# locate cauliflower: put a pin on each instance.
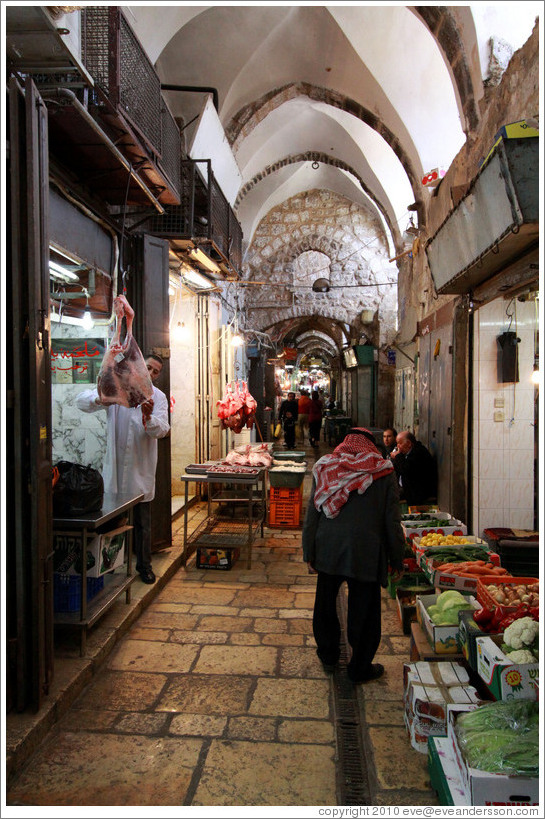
(521, 656)
(523, 633)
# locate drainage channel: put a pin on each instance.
(353, 784)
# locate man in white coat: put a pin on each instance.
(131, 456)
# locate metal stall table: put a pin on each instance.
(220, 530)
(115, 582)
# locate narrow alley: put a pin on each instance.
(215, 697)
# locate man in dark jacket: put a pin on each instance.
(415, 468)
(287, 415)
(352, 532)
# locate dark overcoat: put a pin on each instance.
(363, 540)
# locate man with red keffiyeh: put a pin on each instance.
(352, 532)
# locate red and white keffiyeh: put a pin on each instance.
(353, 465)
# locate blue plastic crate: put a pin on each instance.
(67, 591)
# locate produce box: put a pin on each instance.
(104, 552)
(468, 631)
(416, 578)
(506, 680)
(489, 789)
(223, 559)
(415, 517)
(421, 651)
(443, 639)
(426, 508)
(428, 688)
(406, 604)
(454, 527)
(445, 777)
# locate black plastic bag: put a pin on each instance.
(77, 489)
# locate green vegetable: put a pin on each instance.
(518, 715)
(503, 751)
(451, 598)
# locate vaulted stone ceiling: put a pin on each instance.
(333, 114)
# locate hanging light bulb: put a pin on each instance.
(180, 332)
(535, 372)
(87, 321)
(237, 340)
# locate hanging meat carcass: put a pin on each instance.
(123, 377)
(237, 408)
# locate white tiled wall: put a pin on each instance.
(503, 451)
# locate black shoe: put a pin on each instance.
(147, 576)
(376, 671)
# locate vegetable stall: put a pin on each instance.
(471, 688)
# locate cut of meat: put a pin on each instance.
(124, 378)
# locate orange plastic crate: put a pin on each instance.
(284, 514)
(485, 598)
(285, 494)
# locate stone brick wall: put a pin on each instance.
(351, 238)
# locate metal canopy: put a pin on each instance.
(493, 224)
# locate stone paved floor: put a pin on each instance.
(215, 697)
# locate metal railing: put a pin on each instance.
(123, 73)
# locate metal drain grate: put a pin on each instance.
(352, 772)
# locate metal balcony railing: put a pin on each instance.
(126, 79)
(204, 215)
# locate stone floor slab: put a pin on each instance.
(397, 764)
(237, 660)
(143, 655)
(201, 725)
(306, 731)
(120, 691)
(298, 775)
(76, 769)
(300, 662)
(260, 728)
(291, 698)
(215, 622)
(269, 598)
(211, 694)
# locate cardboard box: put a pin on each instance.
(104, 552)
(405, 608)
(420, 649)
(506, 680)
(489, 789)
(445, 777)
(428, 688)
(468, 631)
(443, 639)
(417, 578)
(223, 559)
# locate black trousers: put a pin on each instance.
(289, 434)
(142, 535)
(363, 627)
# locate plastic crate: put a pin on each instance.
(485, 598)
(284, 493)
(284, 514)
(67, 591)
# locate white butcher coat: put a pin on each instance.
(131, 450)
